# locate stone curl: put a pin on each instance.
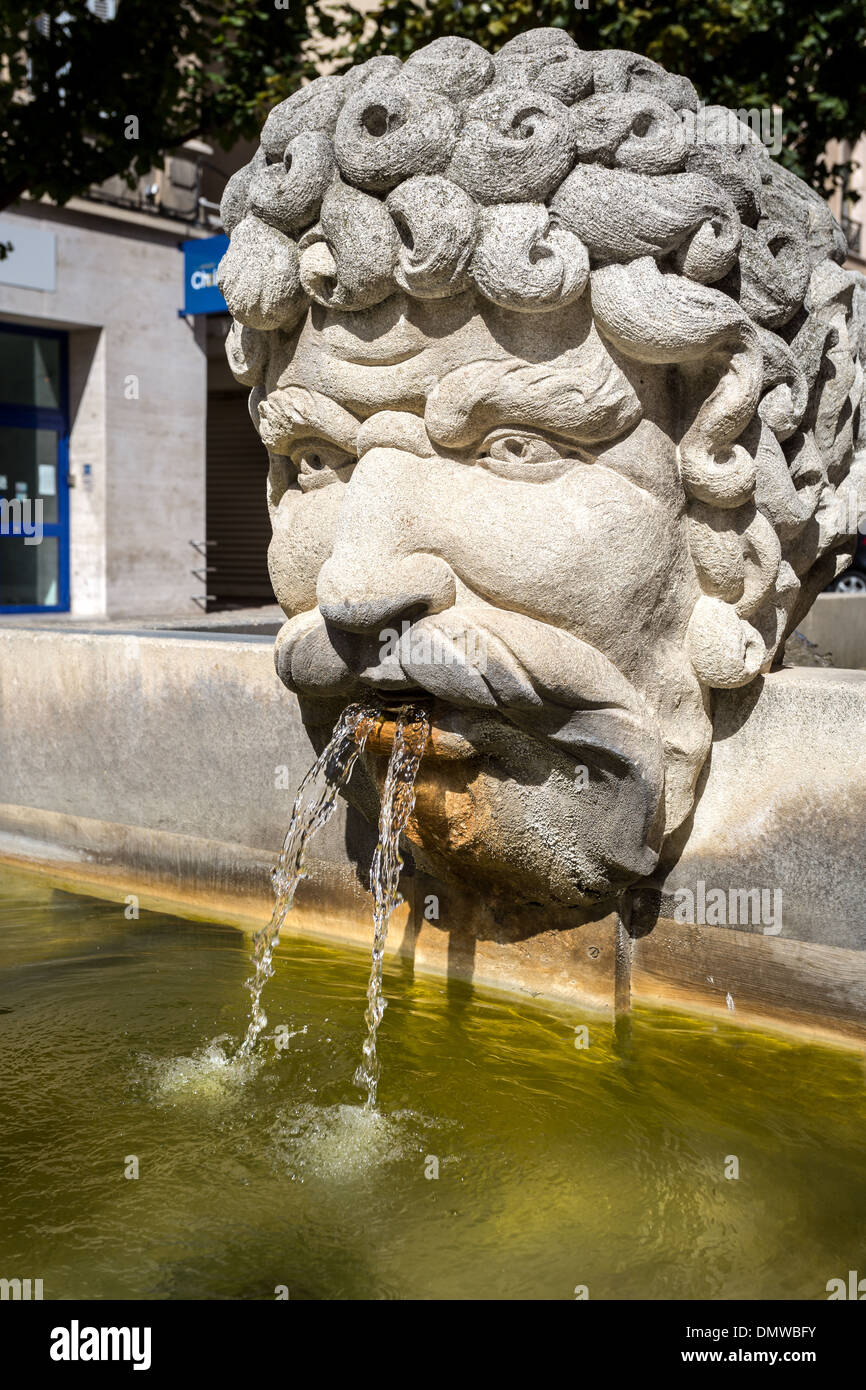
(436, 223)
(616, 148)
(522, 261)
(545, 172)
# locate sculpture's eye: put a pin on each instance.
(521, 454)
(521, 446)
(319, 463)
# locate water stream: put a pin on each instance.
(313, 808)
(314, 805)
(412, 730)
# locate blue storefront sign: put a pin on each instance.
(201, 259)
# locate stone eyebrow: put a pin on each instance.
(582, 397)
(290, 413)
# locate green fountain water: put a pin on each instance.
(558, 1166)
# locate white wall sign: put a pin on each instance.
(32, 262)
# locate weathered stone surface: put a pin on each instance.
(780, 811)
(256, 301)
(562, 388)
(165, 765)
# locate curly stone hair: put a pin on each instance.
(544, 173)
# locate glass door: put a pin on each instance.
(34, 496)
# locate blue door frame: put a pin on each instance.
(42, 418)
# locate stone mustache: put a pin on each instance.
(560, 379)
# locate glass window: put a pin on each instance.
(29, 370)
(28, 469)
(29, 572)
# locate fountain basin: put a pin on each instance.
(164, 765)
(521, 1150)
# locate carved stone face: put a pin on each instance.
(493, 549)
(504, 477)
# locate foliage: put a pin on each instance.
(210, 67)
(70, 80)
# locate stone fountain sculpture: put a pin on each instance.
(561, 382)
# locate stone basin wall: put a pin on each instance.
(164, 764)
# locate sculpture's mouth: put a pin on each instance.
(468, 666)
(446, 743)
(533, 732)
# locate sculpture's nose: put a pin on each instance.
(383, 567)
(366, 601)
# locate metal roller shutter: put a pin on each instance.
(238, 527)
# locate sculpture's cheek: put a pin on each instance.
(303, 537)
(626, 555)
(588, 551)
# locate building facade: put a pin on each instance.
(131, 479)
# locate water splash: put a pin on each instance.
(313, 808)
(208, 1076)
(412, 730)
(337, 1143)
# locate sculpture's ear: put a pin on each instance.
(724, 649)
(733, 630)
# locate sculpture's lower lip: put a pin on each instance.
(443, 745)
(445, 742)
(457, 734)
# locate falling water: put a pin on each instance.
(320, 787)
(398, 799)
